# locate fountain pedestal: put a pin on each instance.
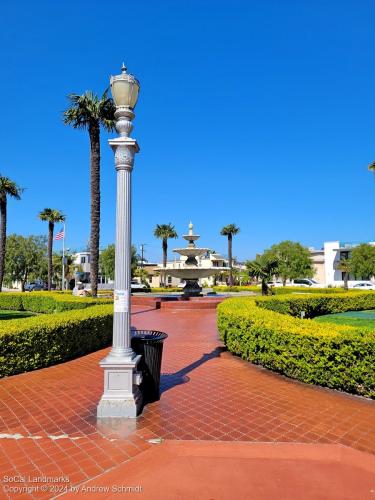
(192, 289)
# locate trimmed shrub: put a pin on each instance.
(11, 301)
(46, 302)
(266, 331)
(318, 305)
(225, 288)
(165, 290)
(44, 340)
(278, 290)
(283, 290)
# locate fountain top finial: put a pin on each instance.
(191, 228)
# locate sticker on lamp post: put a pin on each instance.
(121, 301)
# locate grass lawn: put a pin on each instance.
(361, 319)
(15, 314)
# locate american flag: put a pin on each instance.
(60, 235)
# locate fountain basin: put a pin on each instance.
(191, 252)
(193, 273)
(191, 237)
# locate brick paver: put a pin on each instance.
(48, 425)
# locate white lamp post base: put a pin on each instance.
(121, 397)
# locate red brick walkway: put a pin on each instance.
(48, 425)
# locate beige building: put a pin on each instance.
(317, 257)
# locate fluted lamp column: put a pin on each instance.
(121, 396)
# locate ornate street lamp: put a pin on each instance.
(121, 396)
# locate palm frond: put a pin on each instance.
(51, 215)
(165, 231)
(230, 229)
(87, 109)
(10, 188)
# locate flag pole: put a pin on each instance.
(63, 261)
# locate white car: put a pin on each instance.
(139, 287)
(307, 282)
(274, 283)
(365, 285)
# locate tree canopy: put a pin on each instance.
(107, 261)
(363, 261)
(25, 258)
(294, 260)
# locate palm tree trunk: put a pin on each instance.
(165, 255)
(230, 259)
(3, 236)
(94, 132)
(50, 242)
(264, 287)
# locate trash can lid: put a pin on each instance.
(148, 335)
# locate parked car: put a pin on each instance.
(307, 282)
(35, 286)
(139, 287)
(364, 285)
(274, 283)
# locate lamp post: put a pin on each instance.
(121, 396)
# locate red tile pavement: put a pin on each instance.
(208, 394)
(214, 470)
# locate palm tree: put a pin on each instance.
(88, 111)
(7, 188)
(264, 267)
(52, 216)
(345, 265)
(230, 230)
(165, 231)
(371, 167)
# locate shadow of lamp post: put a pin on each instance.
(121, 396)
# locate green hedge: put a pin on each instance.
(225, 288)
(318, 305)
(264, 331)
(46, 302)
(44, 340)
(278, 290)
(165, 290)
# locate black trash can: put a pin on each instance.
(149, 343)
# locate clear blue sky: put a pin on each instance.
(257, 113)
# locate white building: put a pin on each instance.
(82, 259)
(334, 251)
(326, 262)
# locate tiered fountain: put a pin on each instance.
(189, 270)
